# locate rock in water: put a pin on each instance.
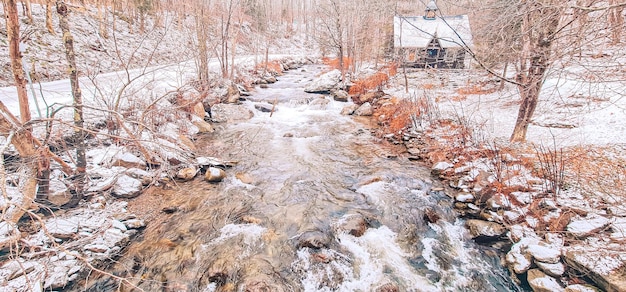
(325, 83)
(214, 174)
(349, 109)
(313, 239)
(265, 107)
(480, 229)
(340, 95)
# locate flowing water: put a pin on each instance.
(314, 204)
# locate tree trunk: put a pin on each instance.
(49, 17)
(28, 10)
(24, 143)
(616, 21)
(13, 35)
(203, 51)
(102, 28)
(79, 133)
(538, 49)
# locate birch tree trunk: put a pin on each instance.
(13, 35)
(79, 133)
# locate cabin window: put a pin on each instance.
(432, 53)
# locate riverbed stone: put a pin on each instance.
(97, 248)
(313, 239)
(134, 223)
(128, 160)
(62, 228)
(340, 95)
(223, 113)
(354, 224)
(464, 197)
(203, 127)
(389, 287)
(319, 104)
(187, 173)
(214, 174)
(265, 107)
(349, 109)
(588, 226)
(365, 109)
(541, 282)
(544, 254)
(554, 270)
(581, 288)
(606, 269)
(127, 187)
(480, 229)
(59, 193)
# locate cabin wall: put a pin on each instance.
(447, 58)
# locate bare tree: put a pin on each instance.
(13, 34)
(79, 133)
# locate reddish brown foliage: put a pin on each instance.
(334, 62)
(272, 67)
(375, 81)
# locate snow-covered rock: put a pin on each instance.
(588, 226)
(498, 201)
(464, 197)
(441, 166)
(214, 174)
(324, 83)
(8, 234)
(618, 229)
(97, 248)
(541, 282)
(187, 173)
(62, 228)
(223, 113)
(606, 268)
(518, 258)
(128, 160)
(544, 254)
(554, 270)
(134, 223)
(127, 187)
(580, 288)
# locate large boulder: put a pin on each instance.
(324, 83)
(605, 268)
(223, 113)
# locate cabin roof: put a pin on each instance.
(417, 32)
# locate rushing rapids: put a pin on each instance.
(314, 204)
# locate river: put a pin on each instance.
(314, 203)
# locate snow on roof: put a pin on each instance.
(417, 32)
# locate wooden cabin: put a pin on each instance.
(433, 41)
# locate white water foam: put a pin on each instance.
(374, 259)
